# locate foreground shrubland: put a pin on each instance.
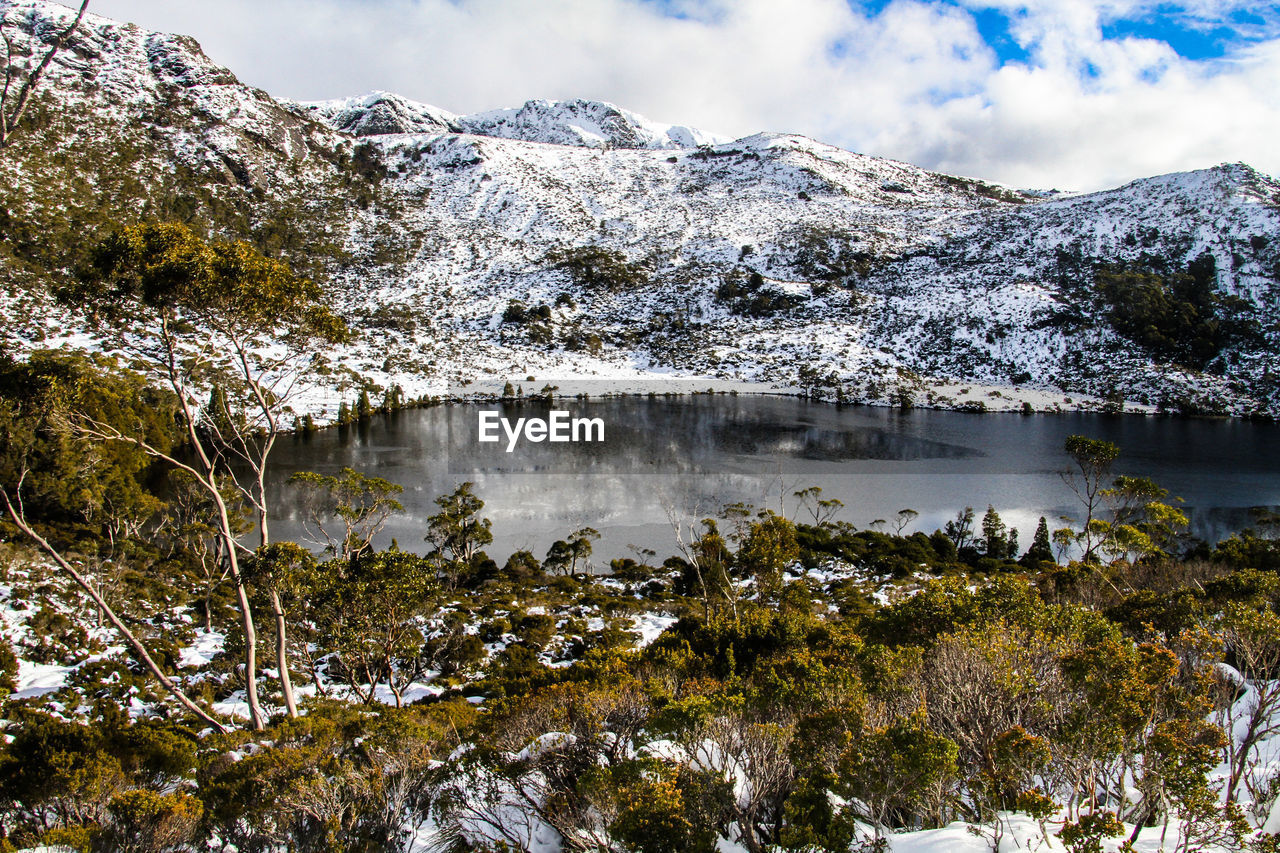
(776, 685)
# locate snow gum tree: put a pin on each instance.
(212, 315)
(1092, 460)
(769, 547)
(348, 509)
(565, 555)
(377, 603)
(706, 560)
(458, 532)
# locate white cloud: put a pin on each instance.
(915, 82)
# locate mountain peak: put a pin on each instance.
(379, 113)
(775, 250)
(576, 122)
(585, 123)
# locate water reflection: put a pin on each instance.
(688, 456)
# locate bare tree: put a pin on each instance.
(1248, 696)
(708, 556)
(730, 741)
(988, 687)
(13, 104)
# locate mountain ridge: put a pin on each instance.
(578, 122)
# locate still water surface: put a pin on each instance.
(690, 455)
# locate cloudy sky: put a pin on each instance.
(1071, 94)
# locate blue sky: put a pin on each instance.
(1188, 33)
(994, 27)
(1193, 32)
(1076, 94)
(1198, 38)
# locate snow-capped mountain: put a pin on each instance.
(587, 123)
(590, 124)
(379, 113)
(656, 249)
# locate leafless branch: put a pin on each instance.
(9, 122)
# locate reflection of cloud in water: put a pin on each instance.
(701, 434)
(692, 455)
(625, 497)
(1213, 522)
(837, 445)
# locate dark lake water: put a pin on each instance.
(687, 456)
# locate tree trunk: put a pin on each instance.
(282, 656)
(250, 654)
(256, 717)
(282, 630)
(207, 476)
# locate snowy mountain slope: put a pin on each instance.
(1013, 284)
(136, 76)
(742, 260)
(587, 123)
(893, 268)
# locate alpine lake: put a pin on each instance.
(684, 457)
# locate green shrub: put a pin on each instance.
(598, 268)
(1178, 316)
(536, 629)
(147, 822)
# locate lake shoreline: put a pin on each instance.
(1000, 400)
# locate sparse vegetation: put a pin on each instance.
(752, 297)
(601, 269)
